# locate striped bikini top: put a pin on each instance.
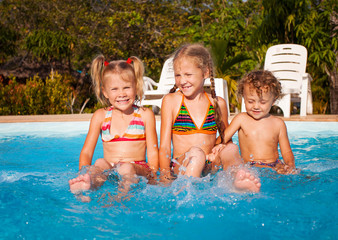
(184, 124)
(134, 132)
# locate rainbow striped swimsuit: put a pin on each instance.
(184, 124)
(134, 132)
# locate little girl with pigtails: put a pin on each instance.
(128, 132)
(190, 119)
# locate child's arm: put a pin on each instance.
(229, 133)
(89, 145)
(285, 147)
(233, 127)
(151, 139)
(165, 136)
(229, 130)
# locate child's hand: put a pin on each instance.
(152, 178)
(165, 177)
(214, 152)
(285, 169)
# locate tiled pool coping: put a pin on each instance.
(87, 117)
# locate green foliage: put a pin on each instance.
(318, 33)
(57, 92)
(313, 25)
(8, 38)
(11, 100)
(46, 44)
(36, 96)
(71, 33)
(320, 94)
(280, 19)
(224, 65)
(227, 28)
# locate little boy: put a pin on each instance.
(259, 133)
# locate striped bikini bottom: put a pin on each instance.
(273, 164)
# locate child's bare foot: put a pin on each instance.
(80, 184)
(245, 182)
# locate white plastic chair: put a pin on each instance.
(167, 81)
(288, 64)
(221, 88)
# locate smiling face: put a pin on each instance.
(120, 92)
(189, 78)
(257, 106)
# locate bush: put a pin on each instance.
(11, 100)
(36, 96)
(57, 91)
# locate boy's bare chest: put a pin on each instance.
(259, 132)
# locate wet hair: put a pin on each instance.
(132, 69)
(260, 80)
(203, 60)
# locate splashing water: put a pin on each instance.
(35, 168)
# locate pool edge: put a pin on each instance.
(87, 117)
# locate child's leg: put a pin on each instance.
(127, 172)
(93, 179)
(193, 162)
(243, 179)
(230, 157)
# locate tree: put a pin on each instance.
(39, 36)
(312, 24)
(227, 28)
(318, 33)
(280, 19)
(66, 35)
(224, 65)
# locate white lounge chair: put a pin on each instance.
(288, 63)
(221, 88)
(167, 81)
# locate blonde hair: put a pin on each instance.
(203, 60)
(133, 70)
(260, 79)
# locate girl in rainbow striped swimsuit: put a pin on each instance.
(128, 132)
(190, 119)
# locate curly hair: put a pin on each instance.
(260, 79)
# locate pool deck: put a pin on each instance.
(87, 117)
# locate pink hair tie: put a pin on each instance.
(106, 63)
(129, 60)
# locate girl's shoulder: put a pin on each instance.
(172, 99)
(144, 110)
(220, 100)
(145, 113)
(100, 112)
(173, 96)
(98, 116)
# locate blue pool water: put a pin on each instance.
(38, 159)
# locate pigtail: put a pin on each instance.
(96, 70)
(139, 71)
(218, 114)
(174, 88)
(203, 60)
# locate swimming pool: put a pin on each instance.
(38, 159)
